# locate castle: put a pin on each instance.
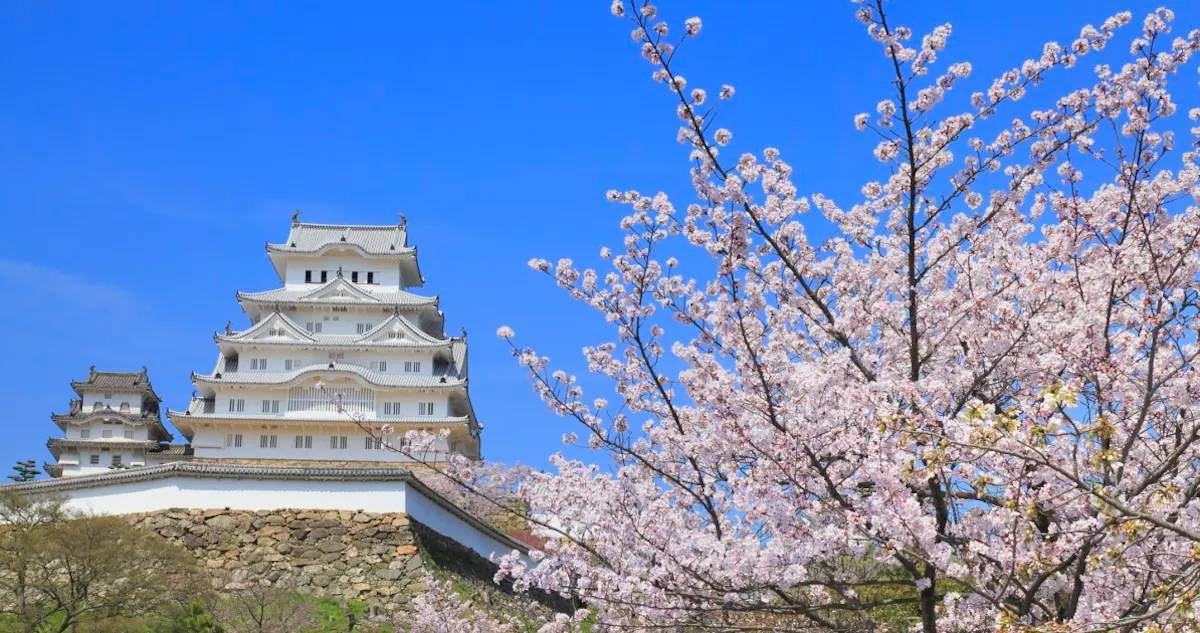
(304, 408)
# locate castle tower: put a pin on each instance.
(115, 423)
(343, 327)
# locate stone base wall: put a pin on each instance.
(376, 558)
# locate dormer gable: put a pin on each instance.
(341, 290)
(397, 329)
(276, 327)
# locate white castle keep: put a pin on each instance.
(303, 407)
(343, 332)
(339, 354)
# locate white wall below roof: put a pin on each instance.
(177, 491)
(387, 270)
(113, 401)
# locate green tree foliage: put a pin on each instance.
(25, 470)
(192, 618)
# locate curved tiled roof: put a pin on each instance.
(413, 336)
(56, 444)
(78, 415)
(450, 377)
(138, 381)
(370, 239)
(400, 298)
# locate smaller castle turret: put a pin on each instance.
(114, 423)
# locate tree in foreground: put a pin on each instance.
(63, 572)
(972, 407)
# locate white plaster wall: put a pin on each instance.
(238, 494)
(248, 494)
(79, 463)
(253, 397)
(97, 428)
(210, 442)
(442, 521)
(275, 357)
(387, 273)
(114, 400)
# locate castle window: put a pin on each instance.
(85, 433)
(268, 441)
(106, 433)
(237, 405)
(370, 277)
(363, 328)
(270, 406)
(116, 460)
(324, 276)
(303, 441)
(379, 365)
(108, 396)
(354, 276)
(129, 434)
(94, 459)
(233, 440)
(308, 276)
(412, 366)
(337, 441)
(373, 443)
(313, 326)
(124, 406)
(425, 408)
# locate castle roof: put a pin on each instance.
(135, 381)
(372, 241)
(57, 444)
(337, 291)
(311, 238)
(279, 329)
(445, 375)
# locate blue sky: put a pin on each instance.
(148, 150)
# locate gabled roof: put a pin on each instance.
(375, 241)
(136, 381)
(388, 239)
(445, 375)
(276, 328)
(406, 331)
(154, 422)
(409, 335)
(338, 291)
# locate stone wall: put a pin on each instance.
(380, 559)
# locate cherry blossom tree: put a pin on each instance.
(972, 407)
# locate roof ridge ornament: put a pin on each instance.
(296, 217)
(340, 275)
(403, 220)
(229, 327)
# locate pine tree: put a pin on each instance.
(26, 470)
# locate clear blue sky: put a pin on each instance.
(148, 150)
